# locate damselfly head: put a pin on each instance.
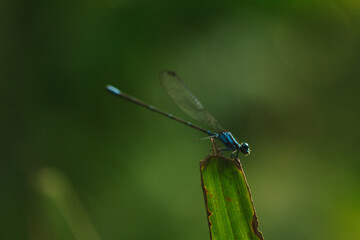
(244, 148)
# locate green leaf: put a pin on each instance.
(64, 210)
(230, 209)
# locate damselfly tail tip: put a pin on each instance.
(113, 89)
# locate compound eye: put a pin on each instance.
(245, 148)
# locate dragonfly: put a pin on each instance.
(189, 104)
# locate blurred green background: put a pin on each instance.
(281, 75)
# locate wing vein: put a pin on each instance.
(186, 101)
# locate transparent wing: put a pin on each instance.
(187, 102)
